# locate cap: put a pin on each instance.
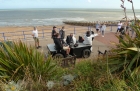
(54, 26)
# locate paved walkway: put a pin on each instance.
(108, 39)
(99, 43)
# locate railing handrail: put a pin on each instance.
(41, 32)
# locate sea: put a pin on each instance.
(43, 17)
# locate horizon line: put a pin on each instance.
(61, 8)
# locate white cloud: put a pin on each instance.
(89, 1)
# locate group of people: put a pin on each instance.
(58, 39)
(100, 28)
(61, 44)
(124, 28)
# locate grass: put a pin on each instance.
(88, 76)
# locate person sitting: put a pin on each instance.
(91, 32)
(74, 39)
(88, 38)
(70, 39)
(59, 45)
(80, 39)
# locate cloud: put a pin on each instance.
(89, 1)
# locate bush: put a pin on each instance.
(127, 58)
(21, 62)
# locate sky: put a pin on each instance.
(17, 4)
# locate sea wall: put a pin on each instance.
(86, 23)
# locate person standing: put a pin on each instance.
(132, 30)
(62, 33)
(128, 27)
(119, 27)
(97, 27)
(53, 33)
(35, 37)
(88, 38)
(103, 27)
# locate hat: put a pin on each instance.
(54, 26)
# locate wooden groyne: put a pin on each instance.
(86, 23)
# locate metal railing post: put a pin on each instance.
(3, 36)
(43, 33)
(74, 30)
(23, 34)
(111, 27)
(88, 28)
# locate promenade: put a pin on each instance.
(99, 42)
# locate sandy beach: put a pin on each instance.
(99, 42)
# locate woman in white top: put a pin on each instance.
(119, 26)
(88, 38)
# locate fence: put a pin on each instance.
(43, 33)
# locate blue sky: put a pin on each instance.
(6, 4)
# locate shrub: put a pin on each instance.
(18, 61)
(128, 54)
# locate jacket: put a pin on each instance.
(58, 43)
(53, 32)
(69, 39)
(62, 34)
(88, 40)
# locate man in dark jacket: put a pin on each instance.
(53, 32)
(59, 45)
(69, 39)
(62, 33)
